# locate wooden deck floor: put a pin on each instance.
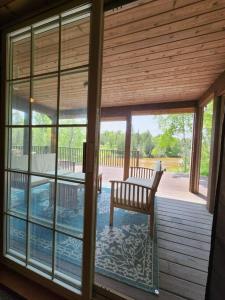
(184, 229)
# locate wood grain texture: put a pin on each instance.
(217, 122)
(216, 278)
(196, 151)
(154, 52)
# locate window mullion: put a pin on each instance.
(34, 235)
(29, 142)
(56, 157)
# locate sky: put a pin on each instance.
(139, 123)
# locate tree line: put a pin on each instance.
(174, 140)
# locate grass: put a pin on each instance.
(172, 164)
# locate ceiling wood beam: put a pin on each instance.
(21, 104)
(216, 89)
(112, 4)
(153, 108)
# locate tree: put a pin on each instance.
(113, 140)
(179, 125)
(166, 145)
(142, 142)
(206, 139)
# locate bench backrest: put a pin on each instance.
(140, 172)
(155, 180)
(145, 173)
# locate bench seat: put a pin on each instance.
(136, 193)
(140, 181)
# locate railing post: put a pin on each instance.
(196, 150)
(53, 136)
(26, 135)
(138, 158)
(127, 146)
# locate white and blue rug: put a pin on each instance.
(124, 252)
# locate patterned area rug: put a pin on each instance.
(124, 252)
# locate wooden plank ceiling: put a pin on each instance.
(164, 50)
(154, 51)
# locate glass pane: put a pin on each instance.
(46, 47)
(70, 207)
(40, 246)
(68, 258)
(17, 192)
(19, 99)
(44, 100)
(73, 97)
(19, 143)
(75, 41)
(70, 151)
(20, 50)
(47, 94)
(43, 150)
(42, 199)
(16, 236)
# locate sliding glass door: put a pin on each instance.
(53, 100)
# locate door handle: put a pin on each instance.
(84, 168)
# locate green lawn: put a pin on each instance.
(172, 164)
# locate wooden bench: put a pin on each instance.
(137, 193)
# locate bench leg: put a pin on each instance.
(100, 183)
(151, 225)
(111, 215)
(99, 187)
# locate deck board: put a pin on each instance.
(182, 287)
(202, 220)
(185, 241)
(188, 228)
(181, 233)
(182, 221)
(183, 249)
(184, 230)
(183, 259)
(183, 272)
(182, 212)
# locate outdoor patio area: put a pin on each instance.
(184, 236)
(175, 185)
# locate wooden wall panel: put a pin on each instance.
(216, 278)
(24, 287)
(2, 142)
(218, 113)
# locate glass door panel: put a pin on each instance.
(50, 117)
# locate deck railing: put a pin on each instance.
(67, 155)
